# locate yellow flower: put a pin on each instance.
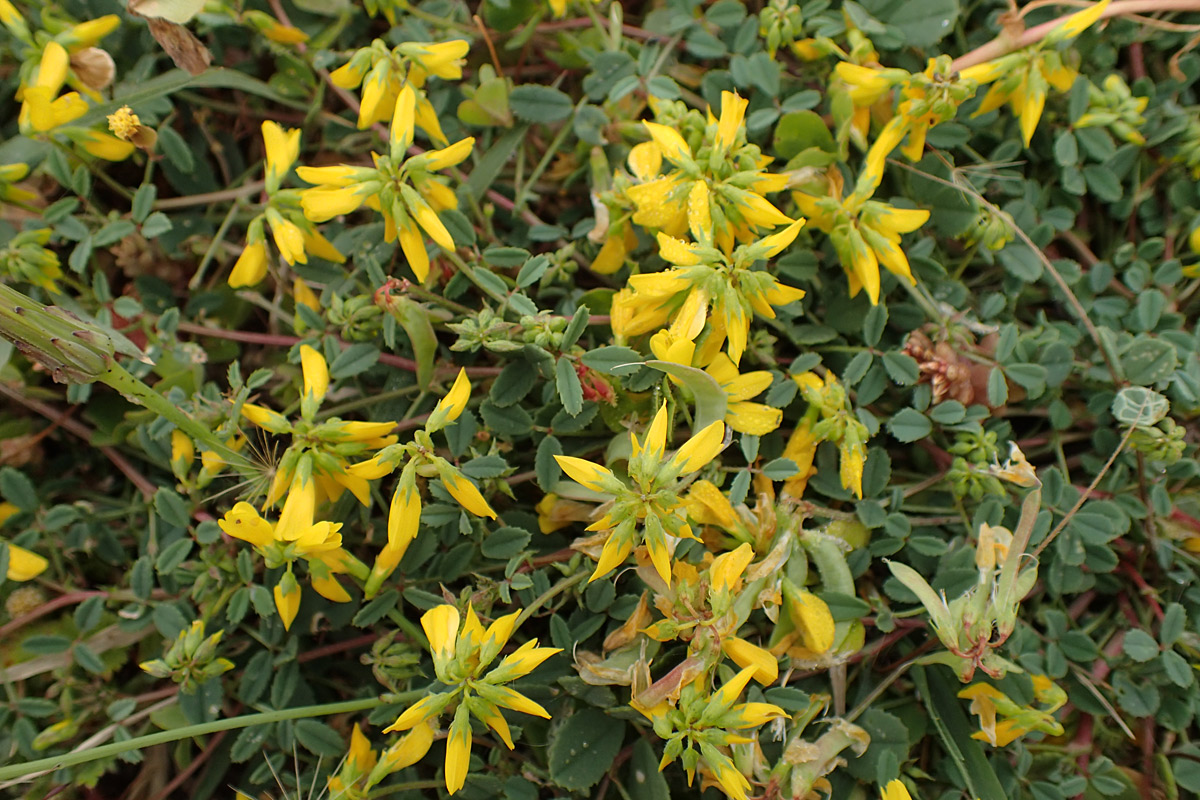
(287, 599)
(865, 234)
(183, 453)
(24, 565)
(282, 150)
(754, 419)
(315, 371)
(716, 191)
(649, 511)
(251, 266)
(99, 144)
(1021, 79)
(462, 651)
(296, 536)
(703, 278)
(289, 238)
(895, 790)
(445, 59)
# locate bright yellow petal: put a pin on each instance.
(316, 372)
(745, 654)
(466, 494)
(441, 628)
(24, 565)
(733, 111)
(700, 449)
(673, 146)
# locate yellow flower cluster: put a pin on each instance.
(647, 510)
(66, 59)
(462, 651)
(294, 235)
(420, 459)
(407, 191)
(716, 192)
(829, 418)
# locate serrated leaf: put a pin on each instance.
(353, 360)
(902, 368)
(1139, 645)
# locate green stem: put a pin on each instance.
(17, 771)
(555, 143)
(469, 271)
(211, 252)
(137, 391)
(549, 595)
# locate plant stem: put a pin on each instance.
(549, 595)
(136, 390)
(203, 729)
(1004, 44)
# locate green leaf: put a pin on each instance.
(172, 555)
(512, 384)
(607, 359)
(488, 167)
(87, 658)
(249, 743)
(1136, 405)
(171, 507)
(645, 781)
(318, 738)
(534, 103)
(948, 412)
(415, 321)
(920, 24)
(909, 425)
(889, 736)
(1147, 360)
(16, 488)
(532, 271)
(1031, 377)
(1178, 669)
(711, 400)
(1139, 645)
(1173, 623)
(954, 729)
(584, 749)
(504, 543)
(1066, 149)
(902, 368)
(505, 257)
(1021, 261)
(353, 360)
(570, 390)
(873, 324)
(800, 130)
(545, 467)
(780, 469)
(576, 327)
(997, 388)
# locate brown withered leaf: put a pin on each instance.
(181, 45)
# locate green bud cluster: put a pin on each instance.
(191, 659)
